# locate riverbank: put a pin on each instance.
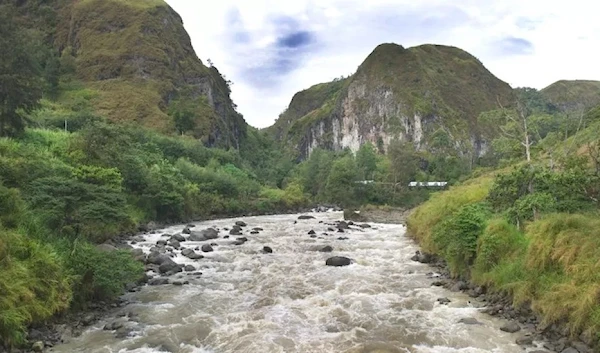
(523, 319)
(541, 275)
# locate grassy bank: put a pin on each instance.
(495, 232)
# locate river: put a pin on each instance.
(289, 301)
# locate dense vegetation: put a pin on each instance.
(529, 229)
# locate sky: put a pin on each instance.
(271, 49)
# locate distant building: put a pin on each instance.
(428, 184)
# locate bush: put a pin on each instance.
(442, 205)
(499, 241)
(456, 236)
(100, 275)
(33, 285)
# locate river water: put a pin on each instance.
(289, 301)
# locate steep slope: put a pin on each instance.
(573, 94)
(397, 92)
(137, 60)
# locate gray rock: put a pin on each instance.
(191, 254)
(581, 347)
(338, 261)
(524, 341)
(177, 283)
(267, 250)
(258, 229)
(189, 268)
(511, 327)
(169, 266)
(174, 243)
(364, 225)
(156, 258)
(161, 243)
(443, 300)
(180, 238)
(158, 281)
(311, 232)
(570, 350)
(469, 321)
(207, 248)
(235, 232)
(458, 286)
(326, 248)
(203, 235)
(38, 346)
(186, 230)
(342, 225)
(305, 217)
(240, 224)
(313, 236)
(254, 232)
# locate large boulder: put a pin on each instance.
(511, 327)
(204, 235)
(179, 237)
(169, 266)
(207, 248)
(191, 254)
(338, 261)
(156, 258)
(342, 225)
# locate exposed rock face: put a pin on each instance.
(137, 61)
(409, 94)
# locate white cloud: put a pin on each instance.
(256, 43)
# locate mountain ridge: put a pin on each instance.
(397, 92)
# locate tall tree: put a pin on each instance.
(20, 75)
(366, 161)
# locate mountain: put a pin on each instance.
(396, 93)
(136, 62)
(573, 94)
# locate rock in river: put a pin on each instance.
(203, 235)
(207, 248)
(305, 217)
(338, 261)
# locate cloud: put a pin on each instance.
(514, 46)
(264, 66)
(295, 40)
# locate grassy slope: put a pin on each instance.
(137, 56)
(570, 93)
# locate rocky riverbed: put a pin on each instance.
(293, 283)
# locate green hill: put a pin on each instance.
(396, 93)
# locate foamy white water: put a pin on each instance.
(289, 301)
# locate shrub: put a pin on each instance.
(100, 275)
(33, 285)
(456, 236)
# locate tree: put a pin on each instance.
(366, 161)
(341, 181)
(404, 162)
(20, 78)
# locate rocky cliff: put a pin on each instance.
(137, 62)
(407, 93)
